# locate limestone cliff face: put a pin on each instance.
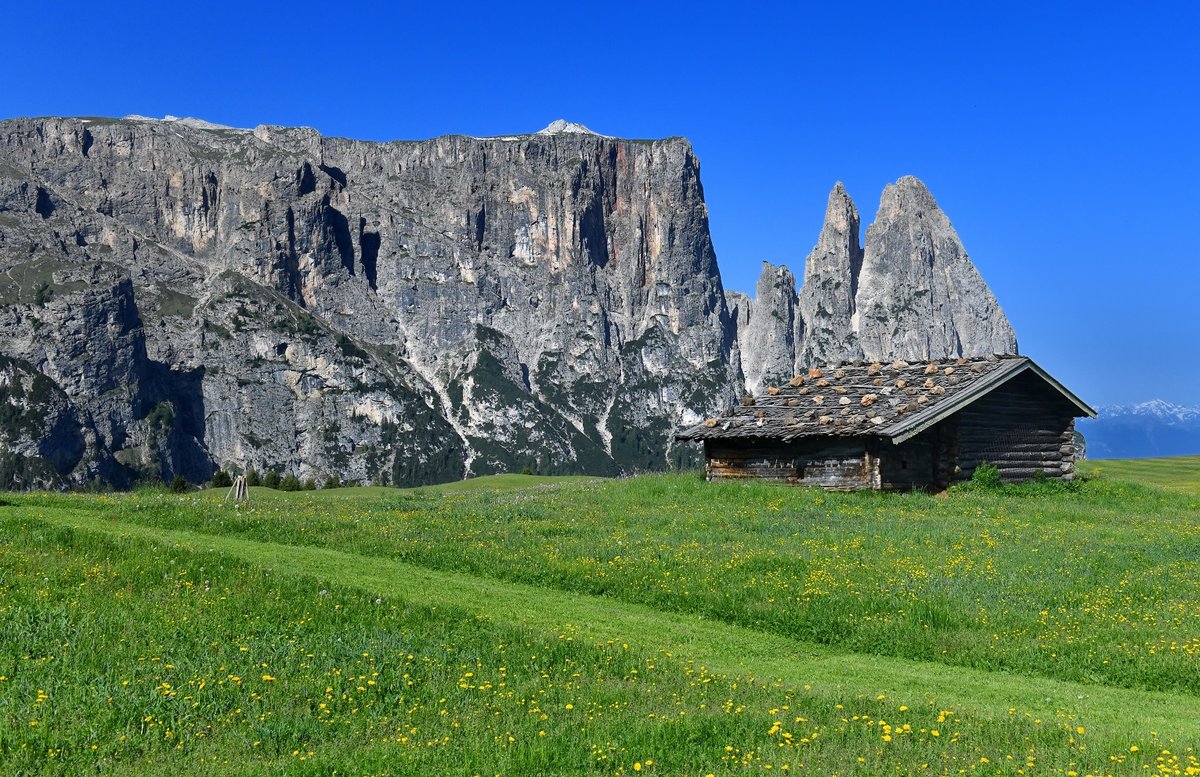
(919, 296)
(177, 296)
(827, 299)
(768, 328)
(911, 293)
(40, 433)
(391, 312)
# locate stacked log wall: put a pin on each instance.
(1021, 428)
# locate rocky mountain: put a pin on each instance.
(393, 312)
(911, 293)
(177, 296)
(1149, 429)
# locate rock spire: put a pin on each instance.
(911, 293)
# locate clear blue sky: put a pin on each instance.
(1063, 141)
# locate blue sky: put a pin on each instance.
(1061, 139)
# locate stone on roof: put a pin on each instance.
(856, 399)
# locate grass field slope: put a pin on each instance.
(1178, 473)
(660, 625)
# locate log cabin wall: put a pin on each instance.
(832, 463)
(1023, 427)
(836, 428)
(925, 461)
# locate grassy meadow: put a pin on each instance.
(1177, 473)
(659, 625)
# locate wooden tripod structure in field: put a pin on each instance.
(238, 490)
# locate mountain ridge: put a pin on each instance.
(1159, 408)
(910, 291)
(399, 312)
(1149, 429)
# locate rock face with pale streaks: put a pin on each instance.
(766, 327)
(177, 296)
(827, 299)
(919, 296)
(399, 312)
(912, 293)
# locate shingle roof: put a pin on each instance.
(895, 400)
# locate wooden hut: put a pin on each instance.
(899, 426)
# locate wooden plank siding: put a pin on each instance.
(924, 462)
(838, 464)
(1018, 419)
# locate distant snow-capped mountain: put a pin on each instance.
(1157, 408)
(1147, 429)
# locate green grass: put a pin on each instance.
(174, 303)
(19, 284)
(383, 494)
(1005, 620)
(237, 666)
(991, 581)
(499, 483)
(1178, 473)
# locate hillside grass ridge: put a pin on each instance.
(1174, 473)
(990, 579)
(367, 609)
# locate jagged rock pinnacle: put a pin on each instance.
(766, 328)
(826, 300)
(919, 295)
(911, 292)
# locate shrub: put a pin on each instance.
(289, 483)
(527, 470)
(332, 481)
(350, 350)
(161, 417)
(42, 294)
(309, 484)
(986, 476)
(179, 485)
(221, 479)
(252, 477)
(272, 479)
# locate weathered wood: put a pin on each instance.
(1017, 474)
(1023, 427)
(978, 432)
(1018, 447)
(238, 491)
(838, 465)
(1005, 458)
